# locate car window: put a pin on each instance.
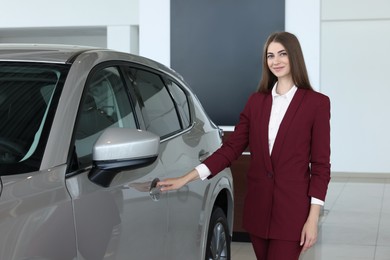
(28, 96)
(181, 100)
(158, 109)
(105, 103)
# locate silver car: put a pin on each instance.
(85, 135)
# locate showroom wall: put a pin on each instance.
(344, 44)
(347, 42)
(115, 24)
(217, 46)
(355, 74)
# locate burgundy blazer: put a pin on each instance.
(280, 185)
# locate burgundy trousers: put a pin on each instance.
(271, 249)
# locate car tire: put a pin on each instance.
(218, 238)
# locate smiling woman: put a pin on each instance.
(286, 126)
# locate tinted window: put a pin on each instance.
(158, 109)
(181, 101)
(29, 95)
(105, 104)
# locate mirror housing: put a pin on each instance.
(119, 149)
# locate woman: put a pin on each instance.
(286, 125)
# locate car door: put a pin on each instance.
(182, 154)
(36, 220)
(165, 109)
(123, 220)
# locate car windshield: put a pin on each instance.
(29, 93)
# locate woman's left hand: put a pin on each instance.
(309, 234)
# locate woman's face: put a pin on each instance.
(278, 61)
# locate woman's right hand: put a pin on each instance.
(178, 182)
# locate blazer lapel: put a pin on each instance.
(264, 121)
(285, 124)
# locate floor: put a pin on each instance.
(355, 224)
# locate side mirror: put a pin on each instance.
(119, 149)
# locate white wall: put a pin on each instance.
(303, 19)
(345, 46)
(155, 33)
(88, 36)
(46, 13)
(139, 27)
(355, 74)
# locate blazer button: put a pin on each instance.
(270, 175)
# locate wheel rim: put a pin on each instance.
(218, 244)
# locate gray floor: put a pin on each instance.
(355, 224)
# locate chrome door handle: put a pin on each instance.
(155, 191)
(203, 155)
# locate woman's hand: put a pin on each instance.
(177, 183)
(309, 235)
(172, 183)
(310, 229)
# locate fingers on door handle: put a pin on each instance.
(155, 191)
(203, 155)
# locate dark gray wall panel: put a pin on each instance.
(217, 46)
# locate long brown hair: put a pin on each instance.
(297, 63)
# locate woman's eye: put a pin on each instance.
(270, 56)
(283, 54)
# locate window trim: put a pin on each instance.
(163, 76)
(72, 156)
(167, 80)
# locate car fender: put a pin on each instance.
(216, 187)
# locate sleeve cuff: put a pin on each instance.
(203, 171)
(317, 201)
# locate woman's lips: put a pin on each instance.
(278, 68)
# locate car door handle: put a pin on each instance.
(155, 191)
(203, 155)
